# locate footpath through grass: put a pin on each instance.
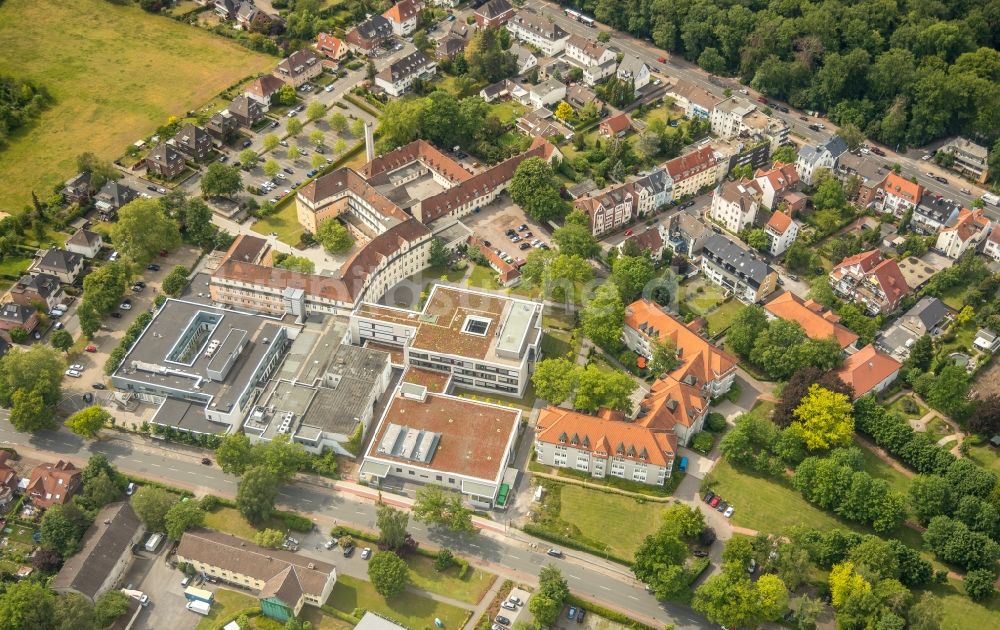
(470, 588)
(409, 609)
(115, 73)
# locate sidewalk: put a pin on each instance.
(484, 604)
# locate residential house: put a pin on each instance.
(526, 60)
(264, 89)
(403, 17)
(109, 200)
(77, 188)
(105, 553)
(226, 9)
(971, 159)
(818, 322)
(53, 484)
(868, 371)
(652, 191)
(781, 231)
(672, 406)
(898, 195)
(687, 234)
(398, 78)
(824, 155)
(63, 264)
(603, 447)
(547, 93)
(15, 316)
(331, 47)
(299, 67)
(703, 366)
(734, 205)
(246, 15)
(693, 171)
(39, 288)
(165, 160)
(494, 13)
(554, 69)
(774, 183)
(503, 90)
(194, 142)
(869, 173)
(870, 281)
(693, 100)
(507, 273)
(933, 214)
(740, 153)
(986, 340)
(633, 69)
(727, 117)
(609, 209)
(615, 126)
(283, 581)
(369, 34)
(969, 230)
(542, 123)
(597, 61)
(992, 245)
(726, 263)
(929, 316)
(247, 112)
(578, 95)
(534, 29)
(8, 479)
(222, 125)
(450, 46)
(648, 240)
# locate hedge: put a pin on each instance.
(339, 614)
(131, 335)
(294, 521)
(572, 543)
(249, 612)
(142, 481)
(607, 613)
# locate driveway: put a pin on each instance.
(501, 215)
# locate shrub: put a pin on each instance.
(716, 422)
(295, 522)
(703, 442)
(210, 503)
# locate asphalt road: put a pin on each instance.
(326, 506)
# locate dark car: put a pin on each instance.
(942, 180)
(878, 151)
(99, 386)
(510, 232)
(709, 496)
(88, 398)
(783, 109)
(153, 188)
(814, 127)
(116, 314)
(525, 246)
(487, 243)
(698, 553)
(503, 621)
(555, 553)
(246, 144)
(580, 614)
(152, 267)
(288, 170)
(206, 461)
(522, 228)
(349, 551)
(722, 506)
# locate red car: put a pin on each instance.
(164, 253)
(91, 348)
(628, 232)
(761, 99)
(715, 500)
(662, 59)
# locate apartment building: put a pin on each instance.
(726, 263)
(633, 69)
(870, 281)
(694, 101)
(399, 77)
(971, 159)
(812, 158)
(403, 17)
(969, 229)
(534, 29)
(693, 171)
(775, 182)
(898, 195)
(869, 174)
(818, 322)
(781, 231)
(299, 68)
(735, 204)
(494, 13)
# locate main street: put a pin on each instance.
(513, 556)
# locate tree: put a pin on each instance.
(439, 254)
(247, 157)
(731, 599)
(269, 538)
(436, 506)
(979, 584)
(281, 457)
(286, 95)
(151, 505)
(949, 391)
(825, 419)
(315, 110)
(921, 354)
(317, 160)
(925, 613)
(271, 168)
(293, 152)
(930, 496)
(29, 413)
(271, 142)
(748, 325)
(575, 238)
(444, 560)
(61, 340)
(851, 135)
(686, 521)
(256, 493)
(659, 562)
(73, 611)
(101, 171)
(143, 229)
(785, 154)
(391, 525)
(631, 274)
(294, 127)
(110, 606)
(333, 236)
(358, 128)
(196, 223)
(596, 389)
(547, 602)
(90, 319)
(602, 317)
(535, 188)
(62, 527)
(338, 122)
(88, 422)
(845, 583)
(46, 560)
(664, 357)
(296, 263)
(27, 605)
(829, 195)
(985, 417)
(756, 239)
(564, 111)
(235, 453)
(175, 281)
(103, 288)
(181, 517)
(389, 574)
(554, 379)
(222, 180)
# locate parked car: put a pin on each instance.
(571, 613)
(206, 461)
(522, 228)
(878, 151)
(116, 314)
(366, 553)
(752, 566)
(508, 605)
(729, 511)
(348, 551)
(90, 348)
(503, 621)
(524, 246)
(709, 496)
(130, 488)
(555, 553)
(77, 367)
(715, 500)
(662, 59)
(515, 600)
(943, 180)
(152, 267)
(628, 232)
(126, 305)
(722, 506)
(580, 614)
(99, 386)
(246, 144)
(698, 553)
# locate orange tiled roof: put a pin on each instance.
(690, 164)
(617, 124)
(891, 279)
(401, 11)
(866, 368)
(418, 150)
(969, 223)
(669, 403)
(816, 323)
(606, 438)
(866, 261)
(329, 44)
(781, 176)
(901, 187)
(53, 484)
(701, 361)
(779, 222)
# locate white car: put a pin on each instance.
(366, 553)
(729, 511)
(73, 373)
(125, 306)
(328, 88)
(76, 366)
(926, 157)
(280, 176)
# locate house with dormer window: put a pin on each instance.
(870, 281)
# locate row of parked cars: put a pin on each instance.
(500, 622)
(716, 501)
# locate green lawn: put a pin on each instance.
(556, 343)
(284, 222)
(408, 609)
(226, 603)
(469, 589)
(13, 266)
(875, 467)
(482, 277)
(961, 613)
(321, 621)
(954, 297)
(110, 86)
(508, 111)
(986, 456)
(701, 296)
(230, 521)
(618, 521)
(897, 406)
(722, 318)
(938, 427)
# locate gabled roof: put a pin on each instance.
(901, 187)
(739, 193)
(701, 362)
(106, 541)
(605, 438)
(329, 44)
(413, 64)
(631, 65)
(51, 484)
(494, 9)
(265, 86)
(866, 261)
(402, 11)
(925, 314)
(647, 240)
(16, 313)
(866, 368)
(780, 177)
(590, 48)
(891, 279)
(969, 224)
(60, 260)
(737, 259)
(375, 27)
(779, 222)
(85, 238)
(690, 164)
(298, 62)
(617, 124)
(817, 322)
(164, 153)
(539, 26)
(669, 403)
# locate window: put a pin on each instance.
(476, 325)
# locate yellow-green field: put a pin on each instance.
(116, 73)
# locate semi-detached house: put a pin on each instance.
(897, 195)
(403, 17)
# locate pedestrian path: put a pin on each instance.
(484, 604)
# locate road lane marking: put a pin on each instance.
(191, 472)
(633, 597)
(513, 557)
(173, 469)
(307, 500)
(604, 587)
(575, 577)
(155, 465)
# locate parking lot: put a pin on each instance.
(151, 574)
(495, 219)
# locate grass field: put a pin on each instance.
(618, 521)
(284, 222)
(875, 467)
(701, 296)
(408, 609)
(897, 406)
(722, 318)
(961, 613)
(115, 73)
(226, 603)
(469, 589)
(229, 520)
(985, 456)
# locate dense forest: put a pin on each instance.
(20, 101)
(904, 71)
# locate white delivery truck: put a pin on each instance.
(991, 199)
(200, 607)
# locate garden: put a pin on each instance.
(352, 595)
